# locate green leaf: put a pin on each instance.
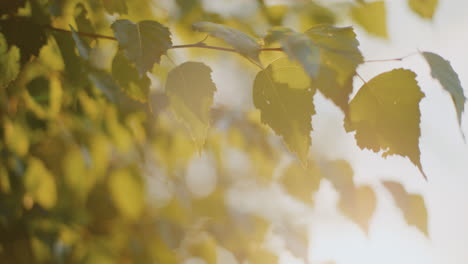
(385, 115)
(412, 205)
(115, 6)
(448, 78)
(24, 33)
(243, 43)
(9, 63)
(359, 205)
(340, 57)
(301, 182)
(424, 8)
(372, 17)
(127, 77)
(286, 105)
(143, 43)
(190, 91)
(298, 47)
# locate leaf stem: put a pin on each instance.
(394, 59)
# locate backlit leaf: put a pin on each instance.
(190, 90)
(286, 106)
(412, 205)
(243, 43)
(372, 17)
(16, 137)
(448, 78)
(40, 183)
(127, 77)
(424, 8)
(385, 115)
(143, 43)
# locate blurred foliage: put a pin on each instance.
(100, 127)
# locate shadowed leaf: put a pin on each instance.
(143, 43)
(127, 77)
(190, 91)
(24, 33)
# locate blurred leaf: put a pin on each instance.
(340, 57)
(9, 62)
(115, 6)
(359, 205)
(286, 106)
(24, 33)
(205, 247)
(127, 77)
(298, 47)
(372, 17)
(40, 183)
(448, 78)
(143, 43)
(412, 205)
(5, 186)
(243, 43)
(262, 256)
(424, 8)
(16, 137)
(127, 192)
(385, 115)
(190, 91)
(301, 182)
(105, 83)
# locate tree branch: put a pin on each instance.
(195, 45)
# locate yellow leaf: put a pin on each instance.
(424, 8)
(301, 182)
(40, 183)
(16, 138)
(372, 17)
(359, 205)
(385, 115)
(127, 193)
(411, 205)
(287, 110)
